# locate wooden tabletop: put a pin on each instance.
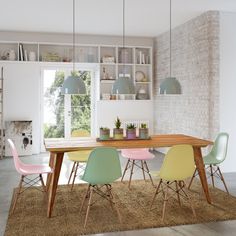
(167, 140)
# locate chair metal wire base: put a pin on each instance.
(179, 190)
(26, 183)
(106, 194)
(213, 171)
(130, 165)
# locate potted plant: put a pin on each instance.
(131, 131)
(118, 132)
(143, 131)
(104, 133)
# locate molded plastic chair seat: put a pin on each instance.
(134, 155)
(79, 156)
(137, 154)
(211, 160)
(34, 169)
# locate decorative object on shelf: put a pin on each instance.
(142, 94)
(143, 131)
(140, 76)
(105, 75)
(123, 85)
(108, 59)
(142, 58)
(32, 56)
(73, 84)
(118, 131)
(131, 131)
(48, 56)
(21, 52)
(170, 85)
(106, 96)
(104, 133)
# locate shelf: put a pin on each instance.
(107, 81)
(148, 82)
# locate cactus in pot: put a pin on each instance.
(143, 131)
(104, 133)
(118, 131)
(131, 131)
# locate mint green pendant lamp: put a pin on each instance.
(124, 84)
(73, 84)
(170, 85)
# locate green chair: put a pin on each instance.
(103, 168)
(216, 156)
(178, 165)
(79, 157)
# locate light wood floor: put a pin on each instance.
(9, 179)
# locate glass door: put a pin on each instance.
(62, 114)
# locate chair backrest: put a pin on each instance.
(18, 164)
(219, 149)
(80, 133)
(103, 166)
(178, 163)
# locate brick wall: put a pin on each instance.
(195, 63)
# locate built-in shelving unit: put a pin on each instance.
(135, 62)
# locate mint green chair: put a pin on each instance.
(178, 165)
(103, 168)
(216, 156)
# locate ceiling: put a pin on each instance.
(104, 17)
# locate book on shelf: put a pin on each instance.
(25, 55)
(21, 52)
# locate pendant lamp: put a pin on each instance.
(170, 85)
(73, 84)
(124, 84)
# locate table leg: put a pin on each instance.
(201, 171)
(57, 160)
(49, 176)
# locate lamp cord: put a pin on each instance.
(123, 38)
(73, 50)
(170, 34)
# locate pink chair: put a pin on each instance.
(25, 170)
(137, 155)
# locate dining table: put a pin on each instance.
(59, 146)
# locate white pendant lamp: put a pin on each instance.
(170, 85)
(73, 84)
(124, 84)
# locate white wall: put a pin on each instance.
(22, 95)
(228, 85)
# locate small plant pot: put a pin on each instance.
(118, 134)
(104, 134)
(131, 133)
(143, 133)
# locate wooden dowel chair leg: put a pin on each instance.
(194, 174)
(145, 163)
(177, 192)
(42, 182)
(72, 170)
(85, 196)
(75, 174)
(143, 170)
(212, 176)
(156, 193)
(126, 167)
(17, 195)
(89, 205)
(222, 178)
(131, 172)
(165, 202)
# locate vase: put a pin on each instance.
(143, 133)
(131, 133)
(118, 133)
(104, 134)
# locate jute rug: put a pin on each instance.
(134, 205)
